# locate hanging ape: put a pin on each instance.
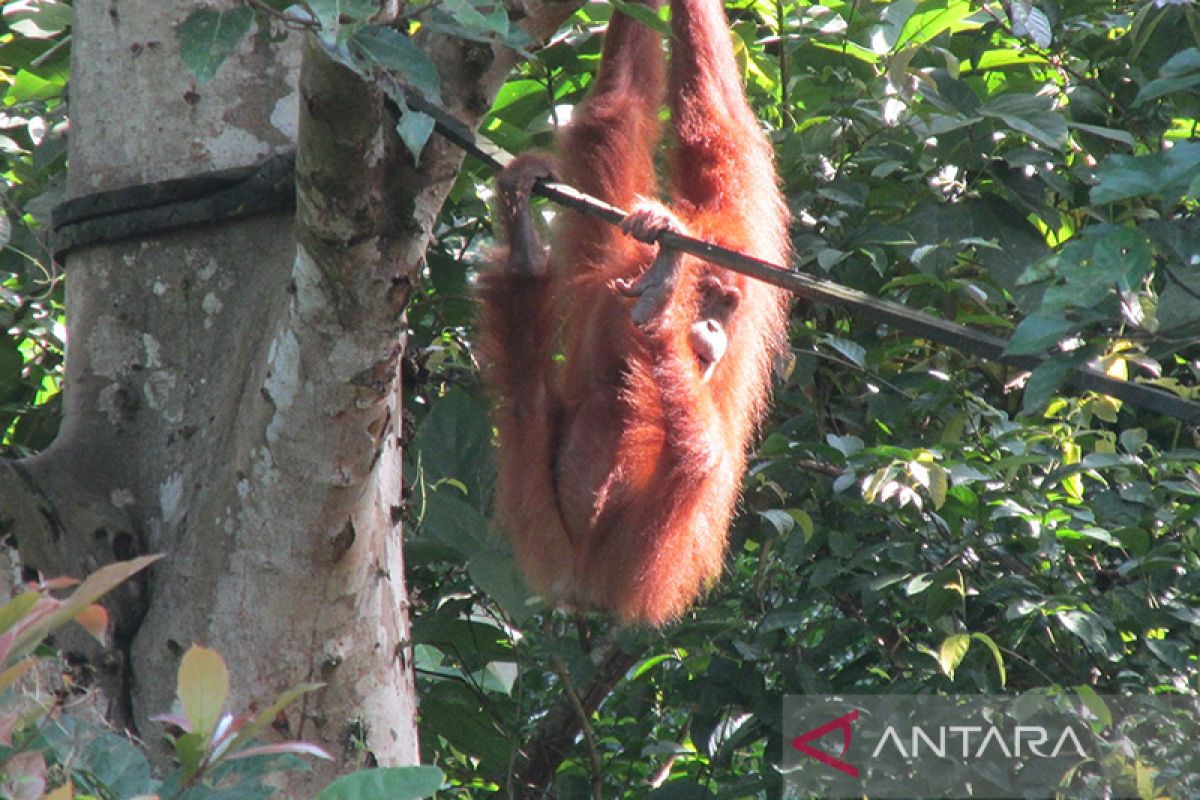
(629, 378)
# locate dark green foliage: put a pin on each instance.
(915, 520)
(34, 59)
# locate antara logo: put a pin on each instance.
(842, 723)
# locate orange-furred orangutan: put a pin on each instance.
(628, 378)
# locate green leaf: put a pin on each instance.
(11, 364)
(1029, 22)
(450, 521)
(11, 675)
(12, 611)
(1116, 135)
(1032, 115)
(483, 18)
(394, 783)
(1006, 57)
(455, 441)
(206, 38)
(892, 22)
(991, 645)
(918, 584)
(113, 761)
(932, 477)
(388, 48)
(1087, 627)
(952, 651)
(338, 16)
(40, 19)
(1168, 174)
(804, 521)
(846, 445)
(480, 640)
(1121, 257)
(1039, 331)
(643, 14)
(28, 86)
(415, 129)
(1095, 703)
(495, 572)
(478, 21)
(190, 749)
(854, 352)
(1046, 379)
(203, 688)
(780, 520)
(784, 620)
(1180, 73)
(932, 17)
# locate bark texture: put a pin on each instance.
(232, 391)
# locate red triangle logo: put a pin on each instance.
(842, 723)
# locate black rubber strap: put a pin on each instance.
(153, 208)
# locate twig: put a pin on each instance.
(585, 723)
(283, 16)
(49, 53)
(563, 722)
(415, 11)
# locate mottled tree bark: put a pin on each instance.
(232, 394)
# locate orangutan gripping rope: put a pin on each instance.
(621, 458)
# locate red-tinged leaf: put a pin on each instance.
(296, 748)
(24, 776)
(268, 715)
(229, 726)
(64, 792)
(14, 610)
(94, 620)
(8, 724)
(6, 642)
(57, 583)
(43, 608)
(12, 674)
(203, 688)
(40, 609)
(92, 589)
(178, 720)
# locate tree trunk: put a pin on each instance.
(232, 397)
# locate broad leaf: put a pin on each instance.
(395, 783)
(391, 50)
(951, 653)
(1039, 331)
(207, 37)
(203, 688)
(1167, 174)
